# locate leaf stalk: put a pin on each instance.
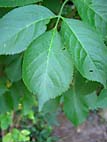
(60, 12)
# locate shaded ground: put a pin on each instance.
(93, 130)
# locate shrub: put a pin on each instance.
(61, 58)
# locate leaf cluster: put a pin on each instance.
(68, 60)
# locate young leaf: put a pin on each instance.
(87, 48)
(21, 26)
(47, 68)
(93, 12)
(14, 3)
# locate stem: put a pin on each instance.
(60, 12)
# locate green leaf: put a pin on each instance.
(51, 106)
(3, 89)
(87, 48)
(91, 100)
(14, 3)
(85, 86)
(16, 95)
(6, 103)
(8, 59)
(21, 26)
(53, 5)
(28, 101)
(47, 67)
(13, 70)
(5, 120)
(75, 107)
(79, 99)
(3, 11)
(8, 138)
(25, 132)
(20, 95)
(94, 12)
(102, 99)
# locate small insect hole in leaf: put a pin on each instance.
(90, 70)
(63, 48)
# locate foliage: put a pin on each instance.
(17, 135)
(23, 122)
(14, 3)
(55, 55)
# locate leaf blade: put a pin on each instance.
(45, 65)
(87, 48)
(79, 99)
(21, 26)
(95, 13)
(14, 3)
(78, 110)
(102, 99)
(13, 70)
